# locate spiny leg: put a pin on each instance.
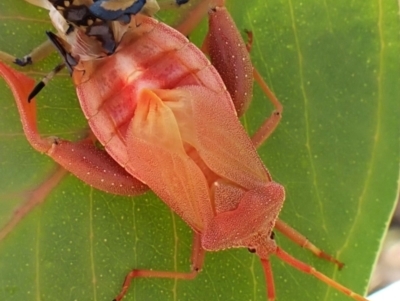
(303, 242)
(258, 138)
(271, 123)
(230, 56)
(226, 49)
(82, 158)
(197, 260)
(261, 135)
(242, 83)
(269, 279)
(312, 271)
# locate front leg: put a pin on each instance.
(82, 158)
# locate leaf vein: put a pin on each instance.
(307, 117)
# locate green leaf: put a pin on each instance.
(334, 66)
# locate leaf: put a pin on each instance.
(333, 64)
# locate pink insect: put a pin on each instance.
(167, 119)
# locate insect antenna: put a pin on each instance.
(45, 80)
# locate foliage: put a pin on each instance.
(333, 64)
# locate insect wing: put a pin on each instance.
(180, 141)
(156, 155)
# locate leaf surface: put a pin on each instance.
(334, 66)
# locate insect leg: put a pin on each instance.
(303, 242)
(37, 54)
(310, 270)
(229, 54)
(261, 135)
(82, 158)
(226, 48)
(269, 278)
(270, 124)
(197, 259)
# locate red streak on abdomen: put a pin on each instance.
(161, 58)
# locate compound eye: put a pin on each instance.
(251, 250)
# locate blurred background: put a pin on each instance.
(387, 269)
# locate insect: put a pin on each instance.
(158, 135)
